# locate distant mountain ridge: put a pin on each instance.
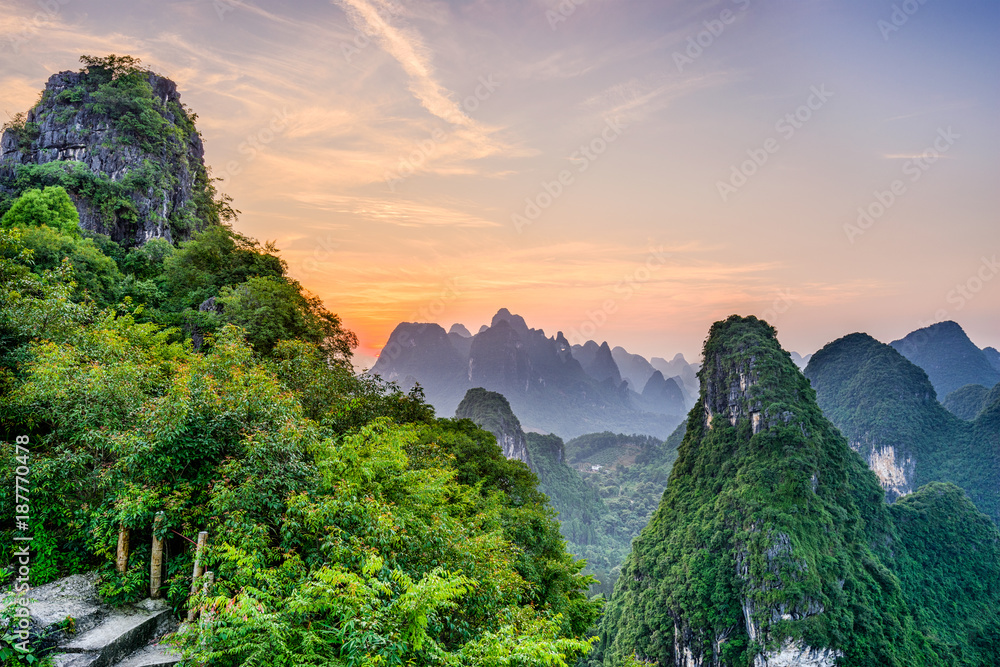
(950, 359)
(551, 385)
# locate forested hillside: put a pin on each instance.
(887, 408)
(773, 544)
(601, 507)
(348, 525)
(949, 358)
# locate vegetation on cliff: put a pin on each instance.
(879, 400)
(118, 139)
(772, 534)
(968, 401)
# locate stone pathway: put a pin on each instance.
(103, 636)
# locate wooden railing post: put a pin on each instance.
(121, 562)
(156, 562)
(199, 568)
(209, 580)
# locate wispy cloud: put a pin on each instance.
(398, 212)
(636, 99)
(409, 50)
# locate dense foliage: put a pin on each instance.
(601, 510)
(50, 207)
(950, 572)
(879, 399)
(967, 402)
(349, 526)
(631, 474)
(772, 530)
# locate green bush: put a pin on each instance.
(51, 207)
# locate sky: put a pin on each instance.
(619, 170)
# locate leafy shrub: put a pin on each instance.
(51, 207)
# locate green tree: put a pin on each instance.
(51, 207)
(271, 309)
(96, 275)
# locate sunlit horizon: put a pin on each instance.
(638, 170)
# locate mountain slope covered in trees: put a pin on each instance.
(950, 359)
(773, 544)
(888, 410)
(348, 525)
(599, 511)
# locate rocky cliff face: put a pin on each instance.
(492, 412)
(125, 148)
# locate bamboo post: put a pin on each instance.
(207, 580)
(156, 562)
(207, 616)
(205, 590)
(121, 562)
(199, 568)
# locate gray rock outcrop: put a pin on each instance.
(129, 156)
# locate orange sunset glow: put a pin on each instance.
(626, 171)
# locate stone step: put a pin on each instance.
(151, 656)
(74, 597)
(121, 633)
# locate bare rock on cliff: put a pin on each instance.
(120, 141)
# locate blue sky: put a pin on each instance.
(634, 170)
